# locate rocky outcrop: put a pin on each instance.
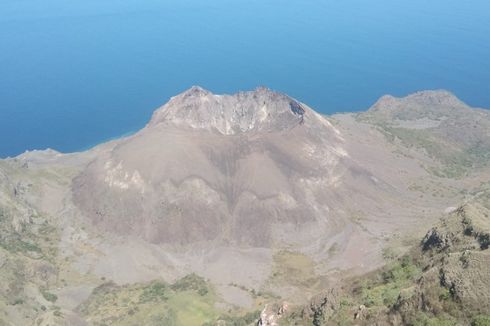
(322, 307)
(272, 314)
(435, 239)
(261, 111)
(15, 213)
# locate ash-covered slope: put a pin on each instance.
(255, 168)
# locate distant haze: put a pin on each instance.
(76, 72)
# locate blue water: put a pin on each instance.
(76, 72)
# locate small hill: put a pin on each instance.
(438, 123)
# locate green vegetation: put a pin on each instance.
(484, 240)
(456, 161)
(28, 250)
(442, 282)
(458, 150)
(188, 301)
(156, 291)
(48, 296)
(424, 319)
(398, 277)
(382, 295)
(191, 282)
(193, 309)
(481, 320)
(247, 319)
(294, 268)
(15, 244)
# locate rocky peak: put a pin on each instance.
(195, 91)
(258, 110)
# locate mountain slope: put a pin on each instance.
(444, 280)
(254, 196)
(228, 168)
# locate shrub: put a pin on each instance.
(484, 240)
(156, 291)
(18, 301)
(482, 320)
(51, 297)
(423, 319)
(191, 282)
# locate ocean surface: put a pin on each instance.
(74, 73)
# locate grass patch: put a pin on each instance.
(188, 301)
(192, 308)
(481, 320)
(294, 268)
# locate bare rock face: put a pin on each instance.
(15, 213)
(272, 314)
(254, 168)
(260, 111)
(435, 239)
(322, 306)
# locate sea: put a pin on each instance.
(74, 73)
